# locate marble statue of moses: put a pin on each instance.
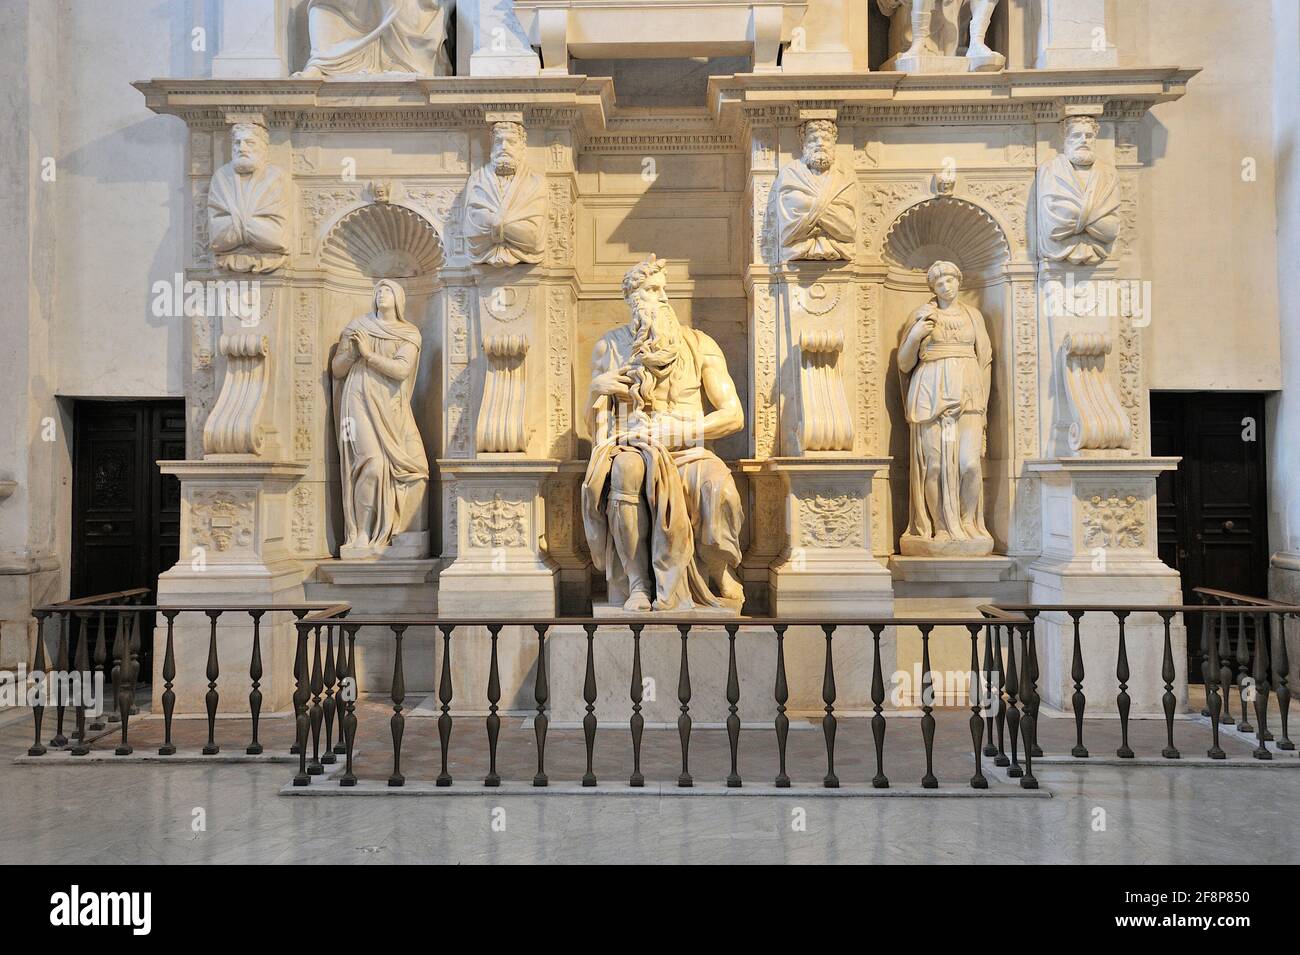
(661, 511)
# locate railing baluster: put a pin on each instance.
(81, 747)
(168, 748)
(38, 667)
(254, 747)
(300, 695)
(782, 697)
(1281, 669)
(493, 778)
(986, 689)
(315, 714)
(637, 722)
(589, 697)
(444, 698)
(328, 705)
(99, 656)
(1204, 627)
(1079, 751)
(829, 723)
(340, 745)
(127, 671)
(1031, 664)
(976, 721)
(1168, 673)
(684, 699)
(928, 781)
(1261, 688)
(1014, 769)
(1001, 759)
(880, 780)
(348, 721)
(1029, 700)
(1122, 701)
(541, 693)
(212, 697)
(299, 674)
(733, 699)
(1225, 669)
(115, 665)
(1213, 702)
(1243, 669)
(61, 669)
(398, 693)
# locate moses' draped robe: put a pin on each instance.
(246, 219)
(505, 217)
(1078, 211)
(379, 36)
(378, 435)
(815, 213)
(695, 509)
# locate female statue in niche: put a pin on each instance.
(947, 356)
(382, 464)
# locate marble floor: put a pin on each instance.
(149, 813)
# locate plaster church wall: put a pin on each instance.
(1212, 257)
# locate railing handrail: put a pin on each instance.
(425, 620)
(97, 598)
(310, 608)
(1243, 598)
(1148, 608)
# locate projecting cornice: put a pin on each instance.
(732, 101)
(899, 98)
(430, 102)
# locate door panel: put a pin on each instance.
(125, 513)
(1211, 513)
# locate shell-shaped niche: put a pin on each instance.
(950, 229)
(382, 241)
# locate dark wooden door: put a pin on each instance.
(125, 513)
(1212, 512)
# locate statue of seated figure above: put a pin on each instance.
(924, 36)
(661, 512)
(366, 37)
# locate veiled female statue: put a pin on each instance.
(378, 36)
(382, 464)
(946, 361)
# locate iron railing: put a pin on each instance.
(1004, 722)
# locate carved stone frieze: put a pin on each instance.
(830, 520)
(1114, 519)
(497, 522)
(222, 520)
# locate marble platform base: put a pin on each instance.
(413, 545)
(386, 588)
(603, 610)
(756, 650)
(937, 63)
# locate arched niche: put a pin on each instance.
(382, 240)
(961, 231)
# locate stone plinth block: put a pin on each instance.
(233, 553)
(827, 567)
(1099, 548)
(499, 525)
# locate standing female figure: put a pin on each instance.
(947, 356)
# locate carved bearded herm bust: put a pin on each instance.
(816, 210)
(661, 512)
(1078, 200)
(506, 204)
(248, 206)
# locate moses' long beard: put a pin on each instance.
(656, 346)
